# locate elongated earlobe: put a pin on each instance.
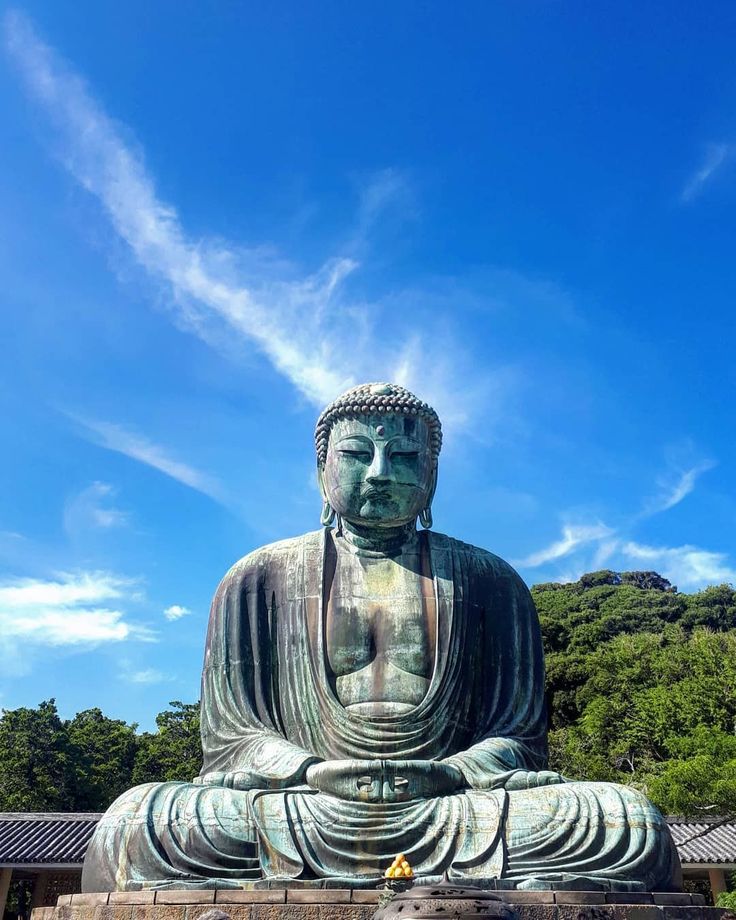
(425, 517)
(328, 515)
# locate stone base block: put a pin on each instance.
(352, 904)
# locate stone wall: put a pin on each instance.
(345, 904)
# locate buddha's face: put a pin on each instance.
(379, 469)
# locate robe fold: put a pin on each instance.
(269, 709)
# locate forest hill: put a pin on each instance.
(641, 689)
(641, 686)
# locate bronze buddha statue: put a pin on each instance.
(370, 689)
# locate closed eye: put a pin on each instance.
(359, 454)
(405, 453)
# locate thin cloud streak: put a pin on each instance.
(91, 509)
(689, 567)
(146, 676)
(673, 493)
(715, 157)
(136, 446)
(573, 536)
(589, 548)
(306, 328)
(96, 155)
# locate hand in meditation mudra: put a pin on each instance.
(369, 690)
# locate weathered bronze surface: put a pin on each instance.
(371, 690)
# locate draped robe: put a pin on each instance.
(269, 709)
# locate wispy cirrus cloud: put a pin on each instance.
(132, 672)
(689, 567)
(145, 676)
(573, 537)
(92, 508)
(384, 191)
(716, 156)
(673, 489)
(307, 326)
(589, 547)
(122, 440)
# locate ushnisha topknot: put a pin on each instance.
(371, 398)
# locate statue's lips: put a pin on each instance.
(377, 493)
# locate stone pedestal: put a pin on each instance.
(352, 904)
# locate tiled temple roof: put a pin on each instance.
(45, 837)
(705, 841)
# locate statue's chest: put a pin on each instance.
(379, 631)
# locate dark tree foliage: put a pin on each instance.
(105, 752)
(174, 751)
(83, 764)
(641, 684)
(37, 764)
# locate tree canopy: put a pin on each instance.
(83, 764)
(641, 687)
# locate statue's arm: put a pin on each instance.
(511, 746)
(499, 763)
(241, 753)
(241, 741)
(251, 779)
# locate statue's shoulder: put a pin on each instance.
(475, 557)
(273, 554)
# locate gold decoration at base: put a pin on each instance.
(399, 868)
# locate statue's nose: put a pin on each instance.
(380, 468)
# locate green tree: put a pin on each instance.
(84, 763)
(104, 753)
(642, 687)
(173, 752)
(700, 775)
(37, 769)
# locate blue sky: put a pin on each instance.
(216, 216)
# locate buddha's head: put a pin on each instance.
(377, 452)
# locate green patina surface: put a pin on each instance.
(370, 689)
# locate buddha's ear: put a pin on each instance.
(321, 480)
(432, 486)
(328, 515)
(425, 515)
